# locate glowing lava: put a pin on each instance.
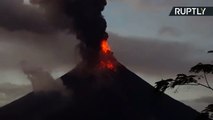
(105, 48)
(106, 59)
(107, 64)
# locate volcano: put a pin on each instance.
(101, 87)
(99, 95)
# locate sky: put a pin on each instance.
(143, 37)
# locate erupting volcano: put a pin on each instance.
(107, 61)
(101, 87)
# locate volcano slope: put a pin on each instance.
(99, 95)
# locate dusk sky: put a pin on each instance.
(143, 37)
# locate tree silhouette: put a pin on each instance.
(208, 110)
(163, 84)
(193, 80)
(206, 69)
(183, 79)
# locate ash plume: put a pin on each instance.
(86, 21)
(17, 16)
(41, 80)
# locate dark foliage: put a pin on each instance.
(163, 84)
(209, 108)
(183, 79)
(200, 67)
(208, 111)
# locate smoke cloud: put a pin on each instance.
(85, 20)
(81, 17)
(41, 80)
(17, 16)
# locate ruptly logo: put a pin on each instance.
(192, 11)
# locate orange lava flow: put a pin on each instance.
(106, 61)
(105, 47)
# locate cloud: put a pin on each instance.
(169, 31)
(150, 4)
(150, 56)
(42, 81)
(159, 4)
(12, 90)
(48, 50)
(51, 51)
(200, 103)
(9, 92)
(197, 106)
(207, 99)
(17, 16)
(162, 5)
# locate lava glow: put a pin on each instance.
(105, 47)
(107, 64)
(107, 60)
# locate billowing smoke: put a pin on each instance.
(17, 16)
(82, 17)
(41, 80)
(85, 20)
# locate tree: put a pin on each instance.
(200, 72)
(208, 110)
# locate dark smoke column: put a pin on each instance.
(89, 24)
(86, 21)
